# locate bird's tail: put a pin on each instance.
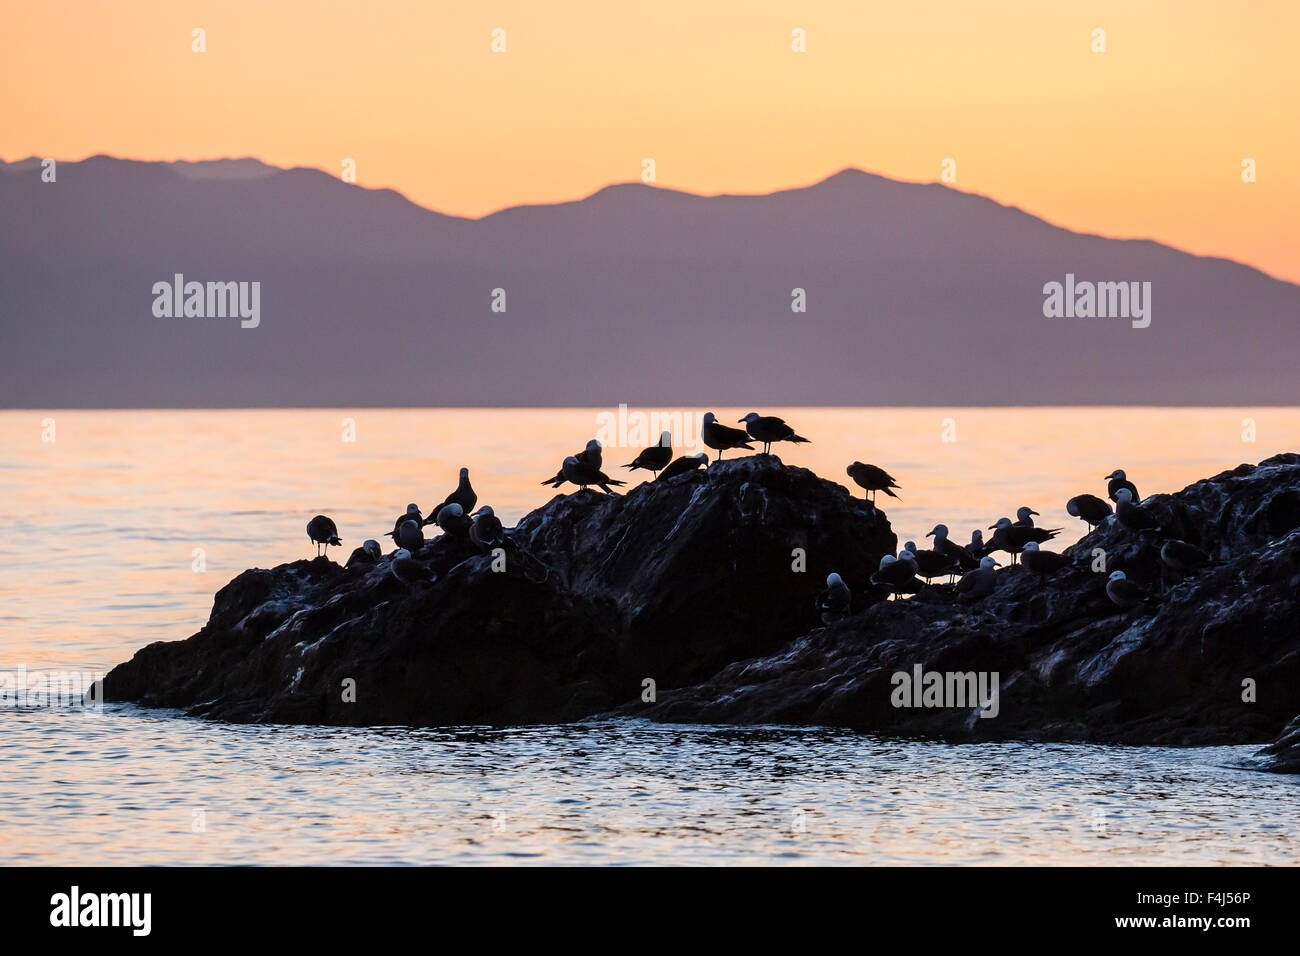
(615, 481)
(798, 438)
(890, 493)
(335, 540)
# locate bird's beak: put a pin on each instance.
(929, 534)
(739, 420)
(474, 514)
(992, 526)
(1035, 513)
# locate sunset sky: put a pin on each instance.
(1146, 139)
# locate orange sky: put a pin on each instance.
(1146, 139)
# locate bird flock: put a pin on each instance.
(898, 574)
(1021, 539)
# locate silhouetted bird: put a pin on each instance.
(321, 530)
(1124, 592)
(486, 532)
(655, 458)
(930, 564)
(1090, 508)
(683, 465)
(962, 558)
(410, 571)
(583, 474)
(412, 513)
(1134, 517)
(1042, 562)
(1023, 519)
(1012, 538)
(768, 429)
(453, 520)
(591, 455)
(833, 603)
(873, 479)
(720, 437)
(409, 536)
(979, 583)
(369, 553)
(463, 495)
(1120, 480)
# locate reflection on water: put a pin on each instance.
(134, 787)
(118, 533)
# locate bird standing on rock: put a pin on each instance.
(656, 457)
(979, 583)
(1120, 480)
(833, 603)
(1124, 592)
(872, 479)
(583, 474)
(453, 520)
(768, 429)
(1023, 519)
(1090, 508)
(930, 564)
(369, 553)
(412, 513)
(591, 455)
(962, 559)
(680, 466)
(1012, 538)
(720, 437)
(1042, 562)
(409, 536)
(486, 532)
(896, 574)
(410, 571)
(1134, 517)
(1182, 557)
(321, 530)
(464, 496)
(977, 547)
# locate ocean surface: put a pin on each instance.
(116, 528)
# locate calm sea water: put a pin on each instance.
(118, 531)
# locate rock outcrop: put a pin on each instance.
(705, 585)
(1213, 659)
(670, 583)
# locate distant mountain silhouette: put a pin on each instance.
(916, 294)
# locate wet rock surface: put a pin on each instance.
(690, 582)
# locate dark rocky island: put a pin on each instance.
(705, 584)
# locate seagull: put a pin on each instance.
(978, 583)
(1090, 508)
(833, 604)
(681, 466)
(1042, 562)
(463, 495)
(1012, 538)
(656, 457)
(720, 437)
(930, 563)
(1023, 519)
(873, 479)
(409, 536)
(896, 574)
(769, 428)
(410, 571)
(961, 557)
(1120, 480)
(452, 520)
(486, 531)
(1134, 517)
(977, 548)
(412, 513)
(368, 553)
(1124, 592)
(321, 530)
(583, 473)
(589, 455)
